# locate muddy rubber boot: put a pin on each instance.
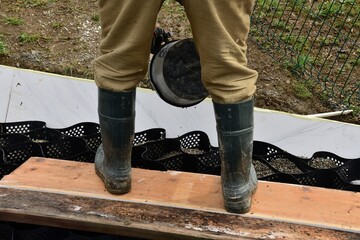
(235, 136)
(117, 122)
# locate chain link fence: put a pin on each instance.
(318, 41)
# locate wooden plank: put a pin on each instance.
(127, 218)
(196, 192)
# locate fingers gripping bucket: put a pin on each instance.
(175, 73)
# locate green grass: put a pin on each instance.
(56, 25)
(36, 3)
(355, 61)
(328, 41)
(299, 65)
(329, 8)
(3, 48)
(311, 34)
(172, 8)
(95, 18)
(301, 90)
(174, 14)
(28, 38)
(14, 21)
(281, 25)
(355, 108)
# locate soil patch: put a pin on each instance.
(63, 37)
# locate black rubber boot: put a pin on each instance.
(117, 122)
(235, 136)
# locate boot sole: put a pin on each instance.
(120, 184)
(239, 205)
(242, 204)
(115, 186)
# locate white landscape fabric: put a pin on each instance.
(6, 82)
(62, 101)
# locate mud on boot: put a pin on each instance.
(235, 136)
(117, 122)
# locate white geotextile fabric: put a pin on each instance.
(62, 101)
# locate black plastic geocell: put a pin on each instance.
(192, 153)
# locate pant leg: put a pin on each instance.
(220, 29)
(127, 30)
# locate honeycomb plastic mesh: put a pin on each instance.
(191, 152)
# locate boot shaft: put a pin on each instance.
(234, 116)
(234, 123)
(117, 122)
(116, 104)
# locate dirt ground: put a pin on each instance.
(63, 36)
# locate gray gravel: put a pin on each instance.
(285, 165)
(322, 163)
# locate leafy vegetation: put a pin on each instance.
(14, 21)
(316, 40)
(36, 3)
(3, 48)
(28, 38)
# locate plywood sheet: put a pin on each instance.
(281, 202)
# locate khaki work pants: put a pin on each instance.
(220, 30)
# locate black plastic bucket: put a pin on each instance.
(175, 74)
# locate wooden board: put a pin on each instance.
(188, 193)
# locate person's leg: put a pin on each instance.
(127, 30)
(220, 30)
